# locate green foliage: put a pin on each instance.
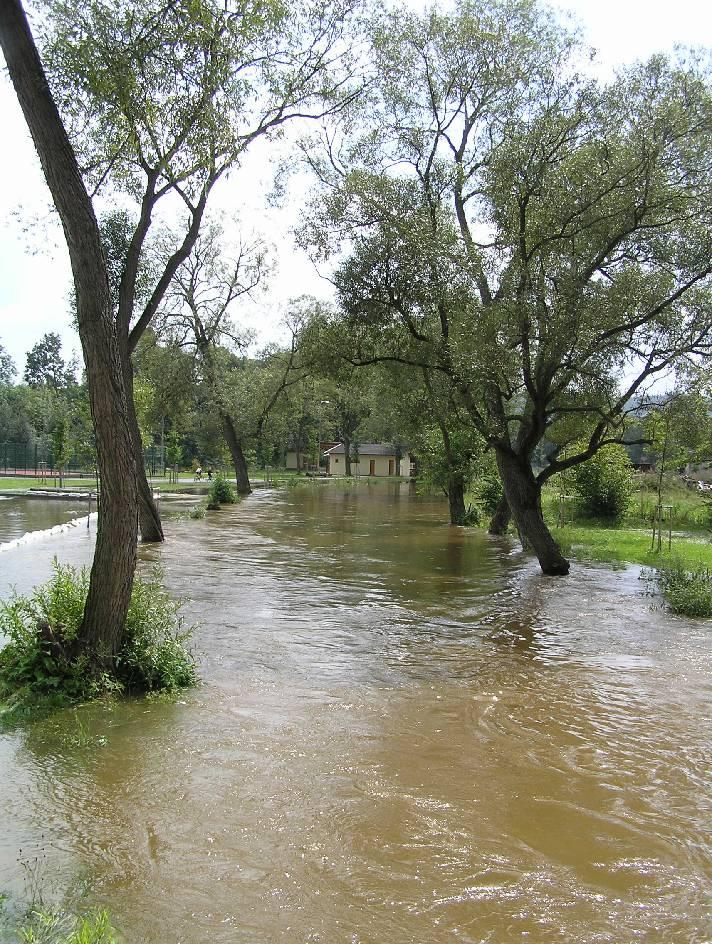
(55, 926)
(198, 513)
(7, 367)
(473, 516)
(38, 666)
(45, 365)
(688, 591)
(440, 460)
(483, 122)
(221, 491)
(604, 483)
(488, 487)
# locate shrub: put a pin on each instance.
(473, 516)
(221, 492)
(604, 483)
(687, 592)
(37, 666)
(489, 491)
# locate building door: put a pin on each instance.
(391, 466)
(372, 467)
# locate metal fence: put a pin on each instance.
(35, 460)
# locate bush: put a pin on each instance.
(198, 512)
(221, 492)
(604, 483)
(687, 592)
(37, 667)
(489, 491)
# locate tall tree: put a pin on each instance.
(102, 630)
(164, 99)
(198, 315)
(7, 367)
(45, 365)
(542, 240)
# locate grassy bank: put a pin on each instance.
(20, 483)
(690, 510)
(594, 541)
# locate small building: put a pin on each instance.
(374, 459)
(303, 461)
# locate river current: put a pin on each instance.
(405, 734)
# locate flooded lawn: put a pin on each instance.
(406, 734)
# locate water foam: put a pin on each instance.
(29, 537)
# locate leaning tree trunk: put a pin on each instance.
(523, 494)
(499, 523)
(347, 457)
(456, 499)
(238, 456)
(101, 633)
(149, 518)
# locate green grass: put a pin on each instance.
(627, 545)
(21, 483)
(691, 511)
(52, 925)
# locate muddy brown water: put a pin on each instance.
(405, 734)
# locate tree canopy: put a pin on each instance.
(540, 238)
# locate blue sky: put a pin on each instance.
(34, 268)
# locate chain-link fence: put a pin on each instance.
(35, 460)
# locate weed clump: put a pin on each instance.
(688, 592)
(54, 926)
(38, 667)
(220, 492)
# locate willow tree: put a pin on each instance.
(162, 100)
(102, 630)
(542, 239)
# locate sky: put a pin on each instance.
(35, 279)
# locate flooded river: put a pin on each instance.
(405, 735)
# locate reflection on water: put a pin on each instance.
(405, 734)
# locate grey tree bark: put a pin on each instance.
(238, 456)
(523, 494)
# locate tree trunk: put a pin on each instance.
(238, 456)
(347, 457)
(456, 499)
(523, 494)
(149, 518)
(501, 518)
(101, 634)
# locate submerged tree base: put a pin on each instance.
(40, 669)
